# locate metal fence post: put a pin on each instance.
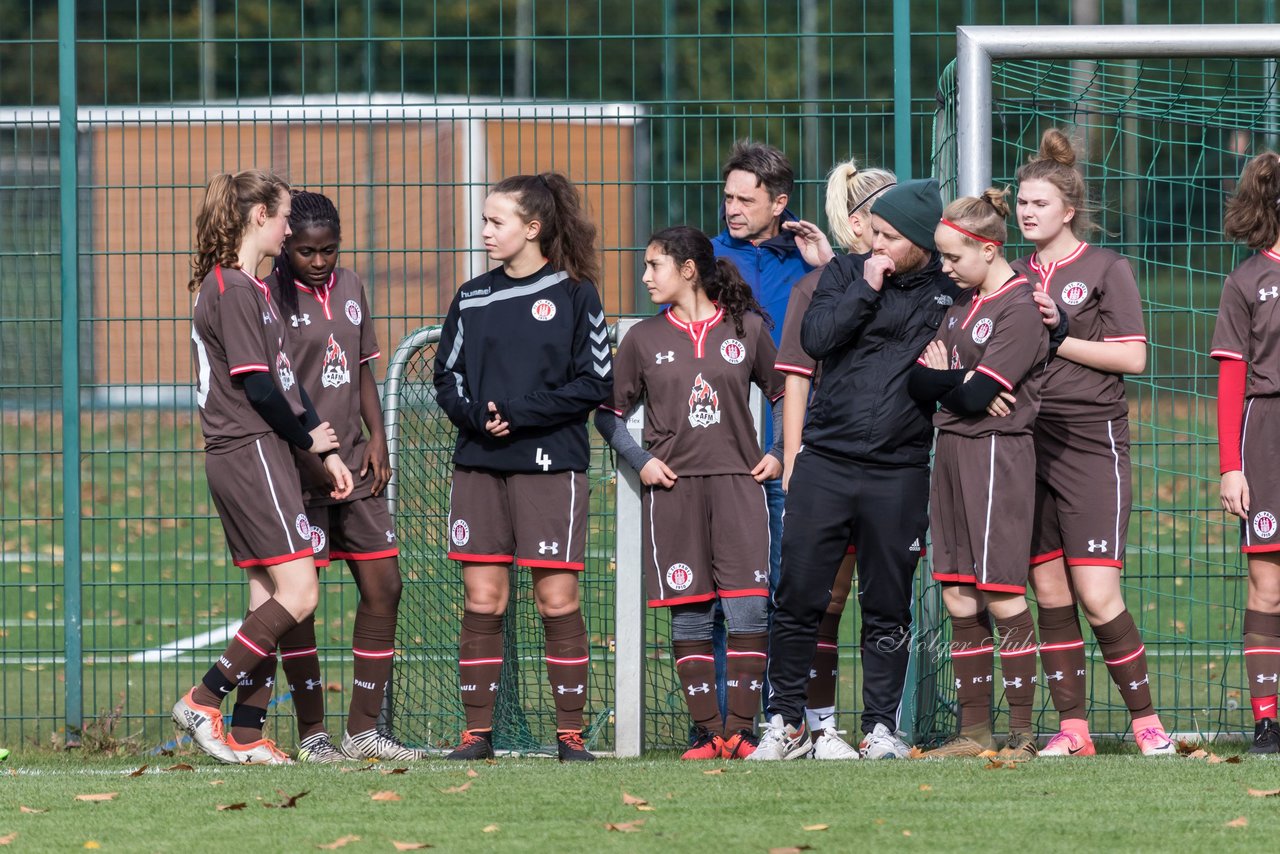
(629, 622)
(69, 255)
(902, 89)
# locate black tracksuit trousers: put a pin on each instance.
(883, 512)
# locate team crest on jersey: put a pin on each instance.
(460, 533)
(1264, 525)
(303, 526)
(704, 404)
(982, 330)
(544, 309)
(352, 310)
(285, 371)
(679, 576)
(317, 540)
(732, 351)
(335, 371)
(1074, 293)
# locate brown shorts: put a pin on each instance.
(352, 530)
(259, 498)
(1083, 492)
(980, 510)
(705, 537)
(537, 520)
(1260, 450)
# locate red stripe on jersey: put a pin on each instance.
(979, 302)
(247, 369)
(376, 354)
(680, 600)
(1274, 256)
(299, 653)
(1046, 271)
(1125, 659)
(697, 331)
(469, 558)
(391, 552)
(373, 653)
(740, 594)
(323, 299)
(1114, 338)
(1226, 354)
(792, 369)
(576, 566)
(222, 286)
(277, 559)
(251, 646)
(1036, 560)
(983, 369)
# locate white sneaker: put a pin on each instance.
(260, 752)
(880, 743)
(829, 745)
(204, 725)
(782, 741)
(372, 744)
(319, 748)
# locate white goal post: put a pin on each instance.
(977, 47)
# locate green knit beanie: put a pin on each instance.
(914, 209)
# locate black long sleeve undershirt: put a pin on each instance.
(268, 402)
(949, 388)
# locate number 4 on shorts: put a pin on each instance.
(542, 460)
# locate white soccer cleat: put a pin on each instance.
(260, 752)
(880, 743)
(782, 741)
(372, 744)
(204, 725)
(319, 748)
(829, 745)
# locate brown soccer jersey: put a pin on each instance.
(695, 381)
(1248, 322)
(237, 330)
(1002, 336)
(792, 359)
(1096, 289)
(330, 337)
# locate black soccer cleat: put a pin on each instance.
(570, 749)
(1266, 738)
(475, 746)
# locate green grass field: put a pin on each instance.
(1112, 802)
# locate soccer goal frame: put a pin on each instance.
(978, 47)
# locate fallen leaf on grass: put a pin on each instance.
(339, 842)
(181, 766)
(471, 772)
(1233, 760)
(714, 771)
(410, 846)
(906, 833)
(1186, 748)
(347, 769)
(915, 753)
(386, 771)
(794, 849)
(139, 772)
(632, 800)
(1008, 765)
(1264, 793)
(226, 807)
(1238, 822)
(92, 844)
(217, 782)
(925, 787)
(334, 687)
(816, 827)
(1198, 753)
(645, 808)
(489, 828)
(8, 838)
(453, 790)
(31, 810)
(289, 802)
(384, 796)
(625, 826)
(102, 796)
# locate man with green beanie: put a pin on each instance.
(862, 475)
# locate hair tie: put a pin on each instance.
(871, 196)
(967, 233)
(543, 180)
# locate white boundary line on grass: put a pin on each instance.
(167, 651)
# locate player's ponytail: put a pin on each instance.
(1253, 211)
(718, 277)
(223, 214)
(851, 190)
(568, 236)
(307, 210)
(980, 219)
(1055, 162)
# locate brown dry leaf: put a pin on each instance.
(489, 828)
(8, 838)
(645, 808)
(289, 801)
(1186, 747)
(816, 827)
(226, 807)
(139, 772)
(410, 846)
(339, 842)
(101, 796)
(473, 773)
(625, 826)
(31, 810)
(906, 833)
(181, 766)
(1264, 793)
(1198, 754)
(994, 764)
(92, 844)
(632, 800)
(397, 771)
(217, 782)
(915, 753)
(1238, 822)
(346, 769)
(453, 790)
(384, 796)
(1233, 760)
(1214, 759)
(925, 787)
(714, 771)
(334, 687)
(793, 849)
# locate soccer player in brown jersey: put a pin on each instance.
(1083, 493)
(992, 340)
(332, 340)
(1246, 343)
(252, 409)
(704, 512)
(850, 192)
(523, 358)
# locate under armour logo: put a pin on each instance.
(1015, 682)
(958, 684)
(659, 358)
(270, 682)
(756, 685)
(1133, 686)
(1055, 675)
(554, 548)
(564, 689)
(304, 319)
(266, 317)
(313, 684)
(704, 688)
(1264, 293)
(760, 576)
(813, 674)
(493, 686)
(241, 675)
(1097, 546)
(1272, 678)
